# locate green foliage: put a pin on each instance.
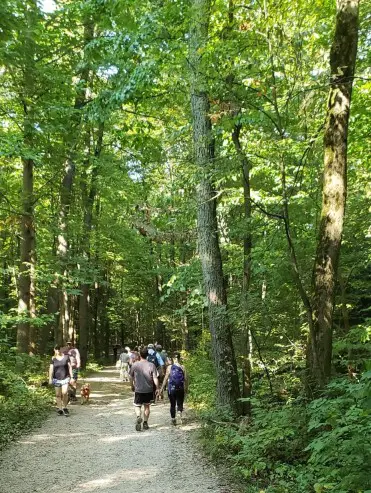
(200, 369)
(340, 453)
(24, 403)
(292, 446)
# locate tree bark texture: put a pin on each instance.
(26, 283)
(88, 198)
(26, 258)
(208, 240)
(66, 189)
(342, 63)
(247, 247)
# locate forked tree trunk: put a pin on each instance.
(208, 240)
(342, 62)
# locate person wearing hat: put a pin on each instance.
(75, 360)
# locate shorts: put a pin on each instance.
(140, 399)
(75, 374)
(60, 383)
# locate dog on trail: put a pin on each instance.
(85, 393)
(71, 392)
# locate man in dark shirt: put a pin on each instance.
(143, 376)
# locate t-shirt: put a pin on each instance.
(124, 357)
(143, 372)
(60, 367)
(159, 359)
(164, 357)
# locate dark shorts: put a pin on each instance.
(75, 373)
(140, 399)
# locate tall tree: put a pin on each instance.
(208, 239)
(89, 192)
(67, 183)
(26, 303)
(342, 62)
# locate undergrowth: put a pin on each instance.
(24, 402)
(291, 445)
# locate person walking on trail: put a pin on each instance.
(164, 357)
(154, 357)
(161, 368)
(75, 360)
(143, 375)
(124, 365)
(134, 356)
(60, 375)
(177, 382)
(157, 361)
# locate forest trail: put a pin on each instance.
(96, 449)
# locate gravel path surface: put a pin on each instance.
(96, 449)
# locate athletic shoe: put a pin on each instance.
(138, 425)
(173, 420)
(66, 412)
(60, 412)
(145, 425)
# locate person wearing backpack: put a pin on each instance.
(177, 382)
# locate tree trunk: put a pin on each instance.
(247, 247)
(26, 258)
(66, 190)
(342, 62)
(26, 286)
(208, 240)
(88, 198)
(51, 309)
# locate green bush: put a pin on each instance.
(201, 374)
(340, 453)
(23, 401)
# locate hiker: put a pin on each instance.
(134, 356)
(177, 381)
(159, 364)
(60, 375)
(164, 357)
(143, 375)
(154, 357)
(161, 368)
(124, 365)
(75, 360)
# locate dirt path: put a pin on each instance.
(97, 449)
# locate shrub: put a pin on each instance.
(340, 453)
(23, 402)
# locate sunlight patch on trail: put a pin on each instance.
(116, 478)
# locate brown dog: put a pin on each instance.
(85, 393)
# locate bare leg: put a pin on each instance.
(138, 412)
(147, 410)
(65, 395)
(58, 396)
